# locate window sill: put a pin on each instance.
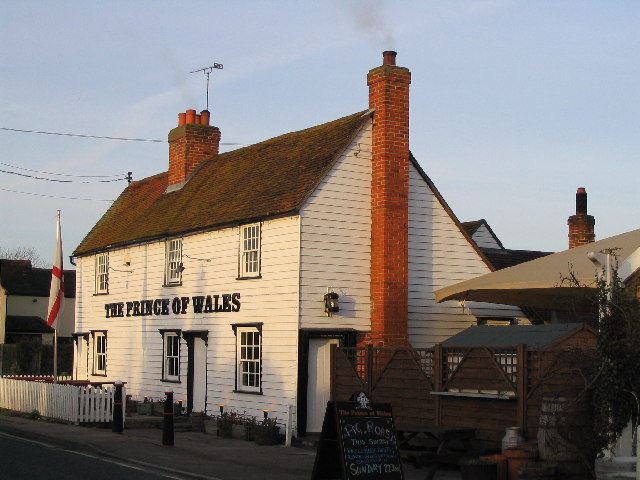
(170, 381)
(249, 278)
(170, 285)
(100, 294)
(248, 392)
(99, 374)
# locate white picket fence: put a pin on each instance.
(71, 403)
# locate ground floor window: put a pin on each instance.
(99, 352)
(171, 355)
(248, 357)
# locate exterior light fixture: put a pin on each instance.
(221, 408)
(265, 413)
(180, 268)
(331, 303)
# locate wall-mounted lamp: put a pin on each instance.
(265, 413)
(331, 303)
(180, 268)
(221, 408)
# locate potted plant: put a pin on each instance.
(238, 427)
(477, 469)
(211, 425)
(267, 432)
(225, 421)
(250, 424)
(197, 421)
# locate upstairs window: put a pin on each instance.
(250, 251)
(173, 262)
(102, 273)
(99, 352)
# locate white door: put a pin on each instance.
(318, 388)
(199, 374)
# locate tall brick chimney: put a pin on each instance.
(389, 96)
(191, 142)
(581, 225)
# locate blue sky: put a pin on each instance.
(514, 104)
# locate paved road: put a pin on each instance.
(28, 459)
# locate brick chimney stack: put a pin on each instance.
(191, 142)
(389, 96)
(581, 225)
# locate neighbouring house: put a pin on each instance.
(228, 277)
(24, 303)
(492, 248)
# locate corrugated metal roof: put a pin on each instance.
(533, 336)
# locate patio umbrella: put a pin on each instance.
(543, 282)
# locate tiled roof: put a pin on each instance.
(260, 181)
(18, 277)
(503, 258)
(533, 336)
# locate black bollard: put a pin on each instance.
(167, 427)
(117, 421)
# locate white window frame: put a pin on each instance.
(171, 355)
(102, 273)
(248, 358)
(99, 352)
(173, 262)
(250, 245)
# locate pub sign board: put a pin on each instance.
(358, 442)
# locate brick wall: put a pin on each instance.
(581, 225)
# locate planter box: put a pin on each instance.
(238, 431)
(211, 426)
(144, 409)
(267, 436)
(224, 429)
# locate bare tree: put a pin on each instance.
(23, 253)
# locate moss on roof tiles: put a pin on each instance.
(264, 180)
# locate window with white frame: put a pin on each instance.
(173, 262)
(249, 359)
(102, 273)
(99, 352)
(171, 355)
(250, 250)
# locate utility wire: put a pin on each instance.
(99, 136)
(61, 174)
(55, 196)
(59, 180)
(82, 136)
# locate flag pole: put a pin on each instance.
(56, 296)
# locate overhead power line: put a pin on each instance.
(55, 196)
(119, 175)
(60, 180)
(100, 136)
(82, 136)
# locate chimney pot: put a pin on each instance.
(205, 117)
(581, 201)
(182, 119)
(191, 116)
(389, 57)
(198, 119)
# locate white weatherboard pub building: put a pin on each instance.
(212, 278)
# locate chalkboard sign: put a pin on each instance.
(358, 442)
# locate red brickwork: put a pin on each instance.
(389, 96)
(190, 143)
(581, 225)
